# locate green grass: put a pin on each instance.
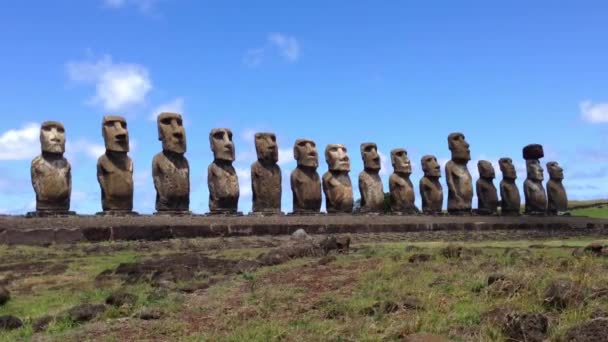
(601, 212)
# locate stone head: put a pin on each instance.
(555, 171)
(371, 158)
(52, 137)
(459, 147)
(266, 147)
(336, 156)
(401, 162)
(305, 153)
(221, 144)
(115, 133)
(486, 170)
(430, 166)
(507, 168)
(171, 132)
(534, 169)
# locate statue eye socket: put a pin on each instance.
(273, 138)
(166, 121)
(123, 124)
(218, 135)
(60, 130)
(179, 122)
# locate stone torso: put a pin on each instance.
(487, 196)
(115, 176)
(536, 198)
(306, 189)
(172, 182)
(372, 193)
(223, 188)
(51, 180)
(431, 192)
(402, 193)
(460, 187)
(338, 192)
(510, 198)
(556, 196)
(266, 187)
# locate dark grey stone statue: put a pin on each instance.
(221, 176)
(266, 176)
(336, 181)
(510, 200)
(370, 184)
(400, 185)
(305, 181)
(534, 192)
(458, 177)
(556, 193)
(487, 196)
(431, 190)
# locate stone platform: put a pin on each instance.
(59, 230)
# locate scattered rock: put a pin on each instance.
(595, 330)
(497, 316)
(492, 278)
(384, 307)
(341, 244)
(412, 303)
(40, 324)
(121, 298)
(499, 285)
(300, 234)
(594, 248)
(85, 312)
(415, 258)
(424, 338)
(4, 295)
(326, 260)
(578, 252)
(599, 314)
(412, 248)
(561, 294)
(9, 322)
(451, 251)
(518, 254)
(149, 314)
(529, 327)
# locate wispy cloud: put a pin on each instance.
(117, 85)
(254, 57)
(288, 47)
(174, 106)
(144, 6)
(20, 144)
(594, 112)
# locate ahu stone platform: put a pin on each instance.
(72, 229)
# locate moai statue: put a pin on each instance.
(170, 169)
(115, 168)
(370, 184)
(556, 193)
(266, 176)
(305, 181)
(221, 177)
(431, 190)
(487, 197)
(459, 180)
(400, 185)
(510, 201)
(336, 181)
(51, 173)
(534, 192)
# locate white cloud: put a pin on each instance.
(254, 57)
(90, 149)
(244, 175)
(285, 156)
(594, 112)
(118, 85)
(385, 164)
(141, 5)
(175, 106)
(288, 46)
(20, 144)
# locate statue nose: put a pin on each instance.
(178, 135)
(121, 136)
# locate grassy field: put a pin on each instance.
(373, 293)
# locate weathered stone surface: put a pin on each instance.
(510, 200)
(431, 190)
(305, 181)
(40, 324)
(170, 168)
(9, 322)
(487, 195)
(119, 299)
(534, 192)
(85, 312)
(4, 295)
(561, 294)
(266, 175)
(458, 178)
(595, 330)
(556, 193)
(526, 327)
(115, 168)
(336, 181)
(370, 184)
(51, 172)
(221, 177)
(400, 185)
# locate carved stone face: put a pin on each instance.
(371, 158)
(555, 171)
(507, 168)
(535, 171)
(266, 147)
(486, 170)
(115, 133)
(52, 137)
(336, 157)
(459, 147)
(430, 166)
(305, 153)
(171, 132)
(401, 162)
(221, 144)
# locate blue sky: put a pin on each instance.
(401, 74)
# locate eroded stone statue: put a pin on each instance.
(534, 192)
(221, 177)
(431, 190)
(400, 185)
(51, 172)
(556, 193)
(115, 168)
(510, 200)
(370, 184)
(305, 181)
(170, 168)
(487, 196)
(266, 175)
(458, 178)
(336, 181)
